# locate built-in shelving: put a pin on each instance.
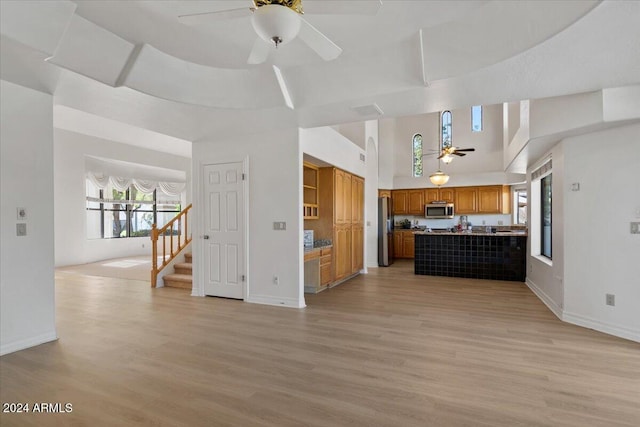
(310, 191)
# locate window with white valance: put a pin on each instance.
(120, 207)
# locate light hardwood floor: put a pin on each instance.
(385, 349)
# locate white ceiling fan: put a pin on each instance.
(277, 22)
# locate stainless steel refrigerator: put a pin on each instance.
(385, 232)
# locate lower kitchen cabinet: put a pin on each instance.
(403, 244)
(326, 272)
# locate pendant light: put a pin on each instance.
(438, 177)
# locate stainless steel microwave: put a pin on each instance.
(438, 210)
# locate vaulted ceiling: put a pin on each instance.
(136, 63)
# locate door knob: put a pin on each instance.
(205, 237)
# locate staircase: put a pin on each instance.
(182, 276)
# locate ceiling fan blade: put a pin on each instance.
(441, 155)
(317, 41)
(465, 149)
(459, 154)
(341, 7)
(259, 52)
(221, 15)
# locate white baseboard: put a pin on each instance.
(584, 321)
(607, 328)
(277, 301)
(551, 304)
(28, 343)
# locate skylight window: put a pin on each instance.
(476, 118)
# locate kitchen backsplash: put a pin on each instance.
(448, 223)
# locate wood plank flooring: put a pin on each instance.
(384, 349)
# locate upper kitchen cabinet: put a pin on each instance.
(310, 192)
(439, 195)
(489, 199)
(494, 199)
(407, 202)
(342, 185)
(415, 202)
(400, 202)
(466, 200)
(357, 200)
(384, 193)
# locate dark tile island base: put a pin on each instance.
(476, 256)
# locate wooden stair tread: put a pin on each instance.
(187, 265)
(179, 277)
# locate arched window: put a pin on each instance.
(446, 134)
(417, 155)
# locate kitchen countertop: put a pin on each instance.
(475, 233)
(318, 248)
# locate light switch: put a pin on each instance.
(279, 225)
(21, 229)
(635, 228)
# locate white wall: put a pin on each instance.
(70, 149)
(274, 186)
(371, 195)
(481, 167)
(326, 144)
(601, 256)
(27, 308)
(355, 132)
(386, 153)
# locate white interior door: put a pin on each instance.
(224, 230)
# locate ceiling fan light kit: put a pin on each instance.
(276, 24)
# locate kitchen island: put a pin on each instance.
(494, 256)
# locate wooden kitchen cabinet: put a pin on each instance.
(357, 248)
(326, 272)
(448, 194)
(408, 245)
(494, 199)
(466, 200)
(357, 200)
(403, 244)
(342, 245)
(399, 202)
(397, 244)
(440, 195)
(310, 191)
(415, 202)
(341, 218)
(431, 195)
(384, 193)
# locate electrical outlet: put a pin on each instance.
(635, 228)
(276, 280)
(611, 299)
(21, 229)
(500, 222)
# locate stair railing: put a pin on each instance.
(166, 235)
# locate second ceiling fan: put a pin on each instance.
(447, 152)
(277, 22)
